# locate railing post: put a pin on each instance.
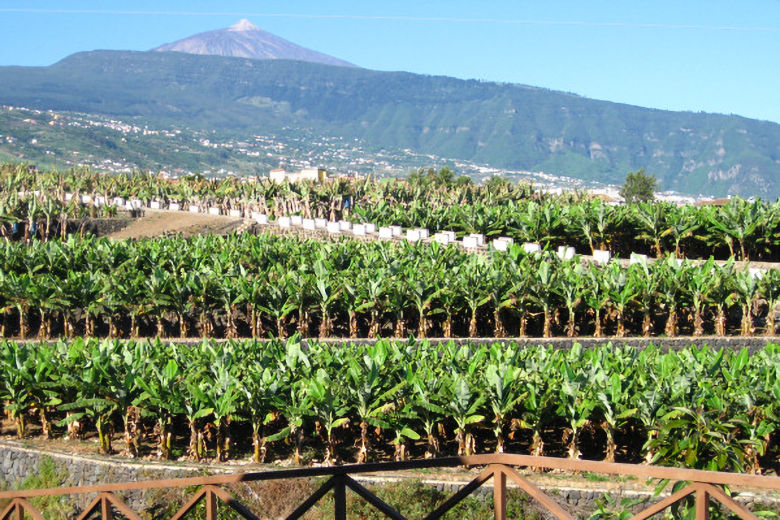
(105, 509)
(211, 505)
(339, 499)
(499, 495)
(19, 511)
(702, 505)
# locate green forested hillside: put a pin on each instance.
(507, 126)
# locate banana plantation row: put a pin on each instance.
(247, 285)
(741, 229)
(701, 407)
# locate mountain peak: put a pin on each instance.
(244, 25)
(246, 40)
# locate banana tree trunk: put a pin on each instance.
(232, 328)
(373, 329)
(303, 322)
(547, 323)
(259, 449)
(573, 447)
(194, 447)
(473, 324)
(609, 456)
(621, 325)
(671, 323)
(131, 419)
(597, 333)
(747, 328)
(45, 424)
(281, 330)
(21, 426)
(720, 322)
(183, 332)
(422, 326)
(43, 330)
(160, 327)
(400, 324)
(698, 322)
(499, 331)
(571, 329)
(325, 326)
(362, 455)
(353, 324)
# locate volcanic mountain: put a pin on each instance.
(246, 40)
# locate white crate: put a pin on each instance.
(359, 230)
(155, 204)
(479, 238)
(370, 228)
(345, 225)
(412, 235)
(99, 201)
(423, 233)
(194, 208)
(283, 222)
(320, 223)
(756, 273)
(296, 220)
(129, 206)
(566, 252)
(531, 247)
(636, 258)
(86, 199)
(451, 236)
(119, 201)
(500, 245)
(136, 203)
(235, 213)
(397, 231)
(601, 256)
(441, 238)
(333, 227)
(308, 224)
(174, 206)
(68, 197)
(385, 233)
(261, 219)
(470, 242)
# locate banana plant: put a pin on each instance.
(261, 386)
(370, 390)
(541, 384)
(463, 402)
(613, 376)
(576, 399)
(17, 366)
(161, 395)
(746, 286)
(329, 407)
(503, 389)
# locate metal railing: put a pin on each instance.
(498, 467)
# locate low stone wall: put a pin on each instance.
(18, 462)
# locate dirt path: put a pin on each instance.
(157, 223)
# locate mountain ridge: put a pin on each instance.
(509, 126)
(246, 40)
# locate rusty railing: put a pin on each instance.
(499, 467)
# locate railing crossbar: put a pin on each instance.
(462, 493)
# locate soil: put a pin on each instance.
(156, 223)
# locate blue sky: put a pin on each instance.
(715, 56)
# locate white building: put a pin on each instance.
(306, 174)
